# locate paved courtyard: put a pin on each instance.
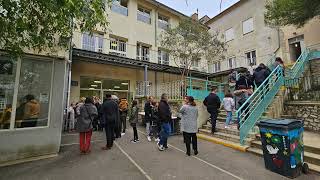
(143, 161)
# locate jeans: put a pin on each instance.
(213, 116)
(229, 117)
(148, 128)
(164, 134)
(85, 141)
(188, 138)
(109, 128)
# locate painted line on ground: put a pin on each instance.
(71, 144)
(203, 161)
(133, 162)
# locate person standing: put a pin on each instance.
(71, 118)
(260, 74)
(213, 103)
(84, 124)
(123, 108)
(147, 117)
(189, 126)
(110, 116)
(31, 112)
(133, 119)
(155, 124)
(165, 120)
(229, 106)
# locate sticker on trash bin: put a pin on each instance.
(272, 150)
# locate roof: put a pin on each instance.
(206, 16)
(156, 3)
(234, 6)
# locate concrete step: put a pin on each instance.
(310, 158)
(284, 116)
(224, 136)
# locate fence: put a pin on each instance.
(306, 88)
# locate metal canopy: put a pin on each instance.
(95, 57)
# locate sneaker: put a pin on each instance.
(137, 140)
(122, 134)
(196, 152)
(149, 138)
(226, 127)
(133, 141)
(160, 147)
(157, 140)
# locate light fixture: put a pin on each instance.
(91, 88)
(116, 87)
(110, 89)
(296, 45)
(124, 83)
(94, 85)
(97, 82)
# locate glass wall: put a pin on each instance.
(31, 99)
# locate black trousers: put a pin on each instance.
(123, 119)
(213, 117)
(135, 133)
(190, 138)
(109, 129)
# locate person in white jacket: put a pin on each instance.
(71, 117)
(229, 106)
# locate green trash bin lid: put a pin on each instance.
(286, 124)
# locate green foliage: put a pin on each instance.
(189, 41)
(291, 12)
(47, 24)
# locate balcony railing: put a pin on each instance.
(143, 17)
(163, 25)
(119, 9)
(118, 53)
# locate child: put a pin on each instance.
(133, 119)
(229, 105)
(155, 124)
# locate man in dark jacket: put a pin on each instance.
(147, 116)
(110, 117)
(260, 74)
(213, 103)
(165, 120)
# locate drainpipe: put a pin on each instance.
(278, 30)
(69, 63)
(145, 80)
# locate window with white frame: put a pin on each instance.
(216, 67)
(163, 57)
(195, 63)
(163, 22)
(144, 15)
(251, 58)
(143, 52)
(232, 63)
(247, 26)
(120, 7)
(229, 35)
(118, 47)
(92, 42)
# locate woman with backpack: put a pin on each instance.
(189, 127)
(88, 112)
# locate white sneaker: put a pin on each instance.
(157, 140)
(122, 134)
(149, 138)
(226, 127)
(160, 147)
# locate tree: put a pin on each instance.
(291, 12)
(190, 41)
(47, 24)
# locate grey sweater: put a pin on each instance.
(189, 118)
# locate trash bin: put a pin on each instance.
(282, 144)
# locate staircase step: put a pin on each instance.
(224, 136)
(309, 158)
(287, 116)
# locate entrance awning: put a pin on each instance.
(95, 57)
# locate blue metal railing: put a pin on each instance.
(249, 113)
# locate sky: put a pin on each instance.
(205, 7)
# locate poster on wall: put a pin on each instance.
(44, 98)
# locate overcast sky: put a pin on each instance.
(205, 7)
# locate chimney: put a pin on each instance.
(194, 16)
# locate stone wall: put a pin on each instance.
(307, 111)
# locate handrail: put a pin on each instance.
(253, 108)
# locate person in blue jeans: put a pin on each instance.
(164, 112)
(228, 104)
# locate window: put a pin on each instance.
(120, 7)
(33, 93)
(195, 63)
(163, 22)
(232, 63)
(143, 52)
(118, 47)
(217, 67)
(251, 58)
(7, 81)
(163, 57)
(229, 35)
(143, 15)
(92, 42)
(247, 26)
